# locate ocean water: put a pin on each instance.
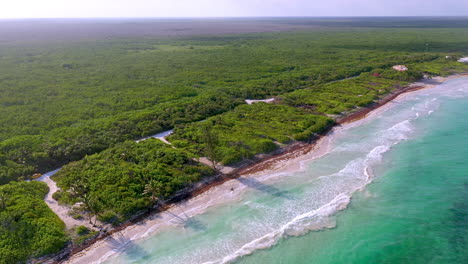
(392, 189)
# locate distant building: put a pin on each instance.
(401, 68)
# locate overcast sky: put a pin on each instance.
(228, 8)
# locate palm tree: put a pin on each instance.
(154, 189)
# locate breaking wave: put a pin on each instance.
(314, 220)
(325, 193)
(317, 219)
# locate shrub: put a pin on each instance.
(82, 230)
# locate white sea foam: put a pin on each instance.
(313, 220)
(316, 219)
(385, 136)
(355, 175)
(329, 193)
(453, 88)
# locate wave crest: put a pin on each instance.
(314, 220)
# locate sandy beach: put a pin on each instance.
(60, 210)
(228, 191)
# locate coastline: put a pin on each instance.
(217, 192)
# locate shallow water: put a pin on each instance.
(414, 153)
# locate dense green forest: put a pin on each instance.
(82, 102)
(249, 130)
(60, 102)
(338, 97)
(22, 156)
(261, 128)
(28, 228)
(121, 181)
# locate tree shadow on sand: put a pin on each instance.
(265, 188)
(187, 222)
(120, 243)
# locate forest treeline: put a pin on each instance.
(84, 103)
(28, 228)
(119, 182)
(117, 178)
(62, 102)
(248, 130)
(22, 156)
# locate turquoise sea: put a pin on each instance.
(393, 188)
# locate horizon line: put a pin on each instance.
(234, 17)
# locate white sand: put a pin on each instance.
(218, 195)
(269, 100)
(60, 210)
(161, 136)
(222, 194)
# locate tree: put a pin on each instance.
(241, 148)
(81, 189)
(211, 143)
(154, 189)
(3, 199)
(93, 206)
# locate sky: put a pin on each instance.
(228, 8)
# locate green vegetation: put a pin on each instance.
(338, 97)
(28, 228)
(82, 233)
(249, 130)
(22, 156)
(82, 101)
(130, 177)
(261, 128)
(62, 102)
